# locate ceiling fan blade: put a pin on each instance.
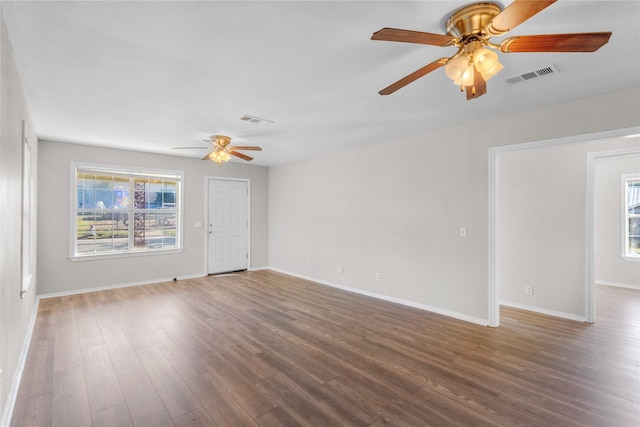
(244, 147)
(515, 14)
(207, 156)
(580, 42)
(413, 76)
(242, 156)
(479, 87)
(408, 36)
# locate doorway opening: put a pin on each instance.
(587, 211)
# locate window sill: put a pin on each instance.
(94, 257)
(630, 258)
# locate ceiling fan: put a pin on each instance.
(222, 151)
(470, 29)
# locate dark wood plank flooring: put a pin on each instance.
(265, 349)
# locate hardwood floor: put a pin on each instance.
(265, 349)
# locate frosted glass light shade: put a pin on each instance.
(219, 156)
(466, 79)
(457, 67)
(486, 62)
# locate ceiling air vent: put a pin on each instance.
(534, 74)
(253, 119)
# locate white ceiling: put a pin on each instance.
(152, 75)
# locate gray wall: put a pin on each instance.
(59, 274)
(396, 207)
(541, 235)
(15, 313)
(610, 267)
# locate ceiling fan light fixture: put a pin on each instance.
(466, 79)
(486, 62)
(493, 71)
(462, 68)
(458, 70)
(219, 156)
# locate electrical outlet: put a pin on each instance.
(528, 290)
(377, 276)
(340, 269)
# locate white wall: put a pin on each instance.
(59, 274)
(397, 207)
(15, 312)
(610, 267)
(541, 230)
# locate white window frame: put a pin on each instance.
(131, 172)
(625, 253)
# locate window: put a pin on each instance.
(631, 197)
(120, 211)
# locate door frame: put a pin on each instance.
(494, 215)
(205, 226)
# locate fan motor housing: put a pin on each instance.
(471, 20)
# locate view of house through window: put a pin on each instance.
(632, 215)
(119, 211)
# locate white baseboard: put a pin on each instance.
(122, 285)
(540, 310)
(617, 285)
(448, 313)
(7, 413)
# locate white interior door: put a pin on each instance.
(227, 225)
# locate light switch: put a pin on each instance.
(463, 231)
(198, 224)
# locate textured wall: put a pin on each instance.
(59, 274)
(542, 225)
(15, 312)
(397, 207)
(610, 267)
